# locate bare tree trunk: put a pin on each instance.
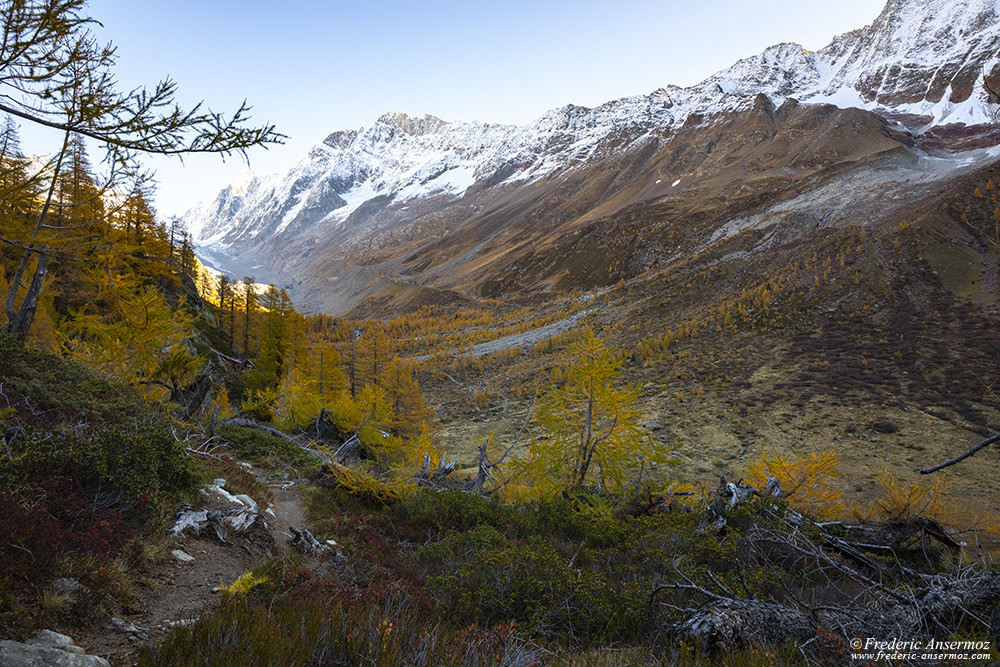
(15, 286)
(21, 322)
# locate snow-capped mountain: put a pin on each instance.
(922, 63)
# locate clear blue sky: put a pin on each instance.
(313, 67)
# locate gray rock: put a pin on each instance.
(47, 649)
(64, 585)
(50, 639)
(126, 628)
(182, 556)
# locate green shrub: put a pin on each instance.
(262, 448)
(581, 517)
(48, 391)
(128, 461)
(488, 579)
(455, 510)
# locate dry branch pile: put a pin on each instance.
(902, 579)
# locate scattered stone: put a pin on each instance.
(182, 556)
(183, 623)
(64, 585)
(653, 426)
(126, 628)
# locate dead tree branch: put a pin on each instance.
(982, 445)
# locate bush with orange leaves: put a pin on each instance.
(903, 501)
(805, 481)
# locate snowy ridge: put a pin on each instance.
(922, 58)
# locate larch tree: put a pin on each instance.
(54, 73)
(409, 413)
(592, 424)
(275, 336)
(249, 299)
(19, 182)
(226, 295)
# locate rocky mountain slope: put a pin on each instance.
(416, 210)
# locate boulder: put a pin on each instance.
(47, 649)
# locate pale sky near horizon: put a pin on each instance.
(313, 67)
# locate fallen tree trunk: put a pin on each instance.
(728, 624)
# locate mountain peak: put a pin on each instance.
(921, 62)
(415, 126)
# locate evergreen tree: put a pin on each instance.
(19, 184)
(54, 73)
(403, 396)
(594, 437)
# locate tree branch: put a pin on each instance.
(982, 445)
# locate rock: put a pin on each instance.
(182, 556)
(64, 585)
(50, 639)
(653, 426)
(126, 628)
(47, 649)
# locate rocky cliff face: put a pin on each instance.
(419, 206)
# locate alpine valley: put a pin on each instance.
(799, 253)
(690, 378)
(777, 152)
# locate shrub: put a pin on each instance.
(49, 527)
(262, 448)
(805, 481)
(293, 620)
(366, 485)
(453, 510)
(126, 461)
(489, 579)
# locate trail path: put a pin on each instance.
(178, 591)
(529, 337)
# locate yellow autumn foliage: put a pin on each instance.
(244, 583)
(805, 481)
